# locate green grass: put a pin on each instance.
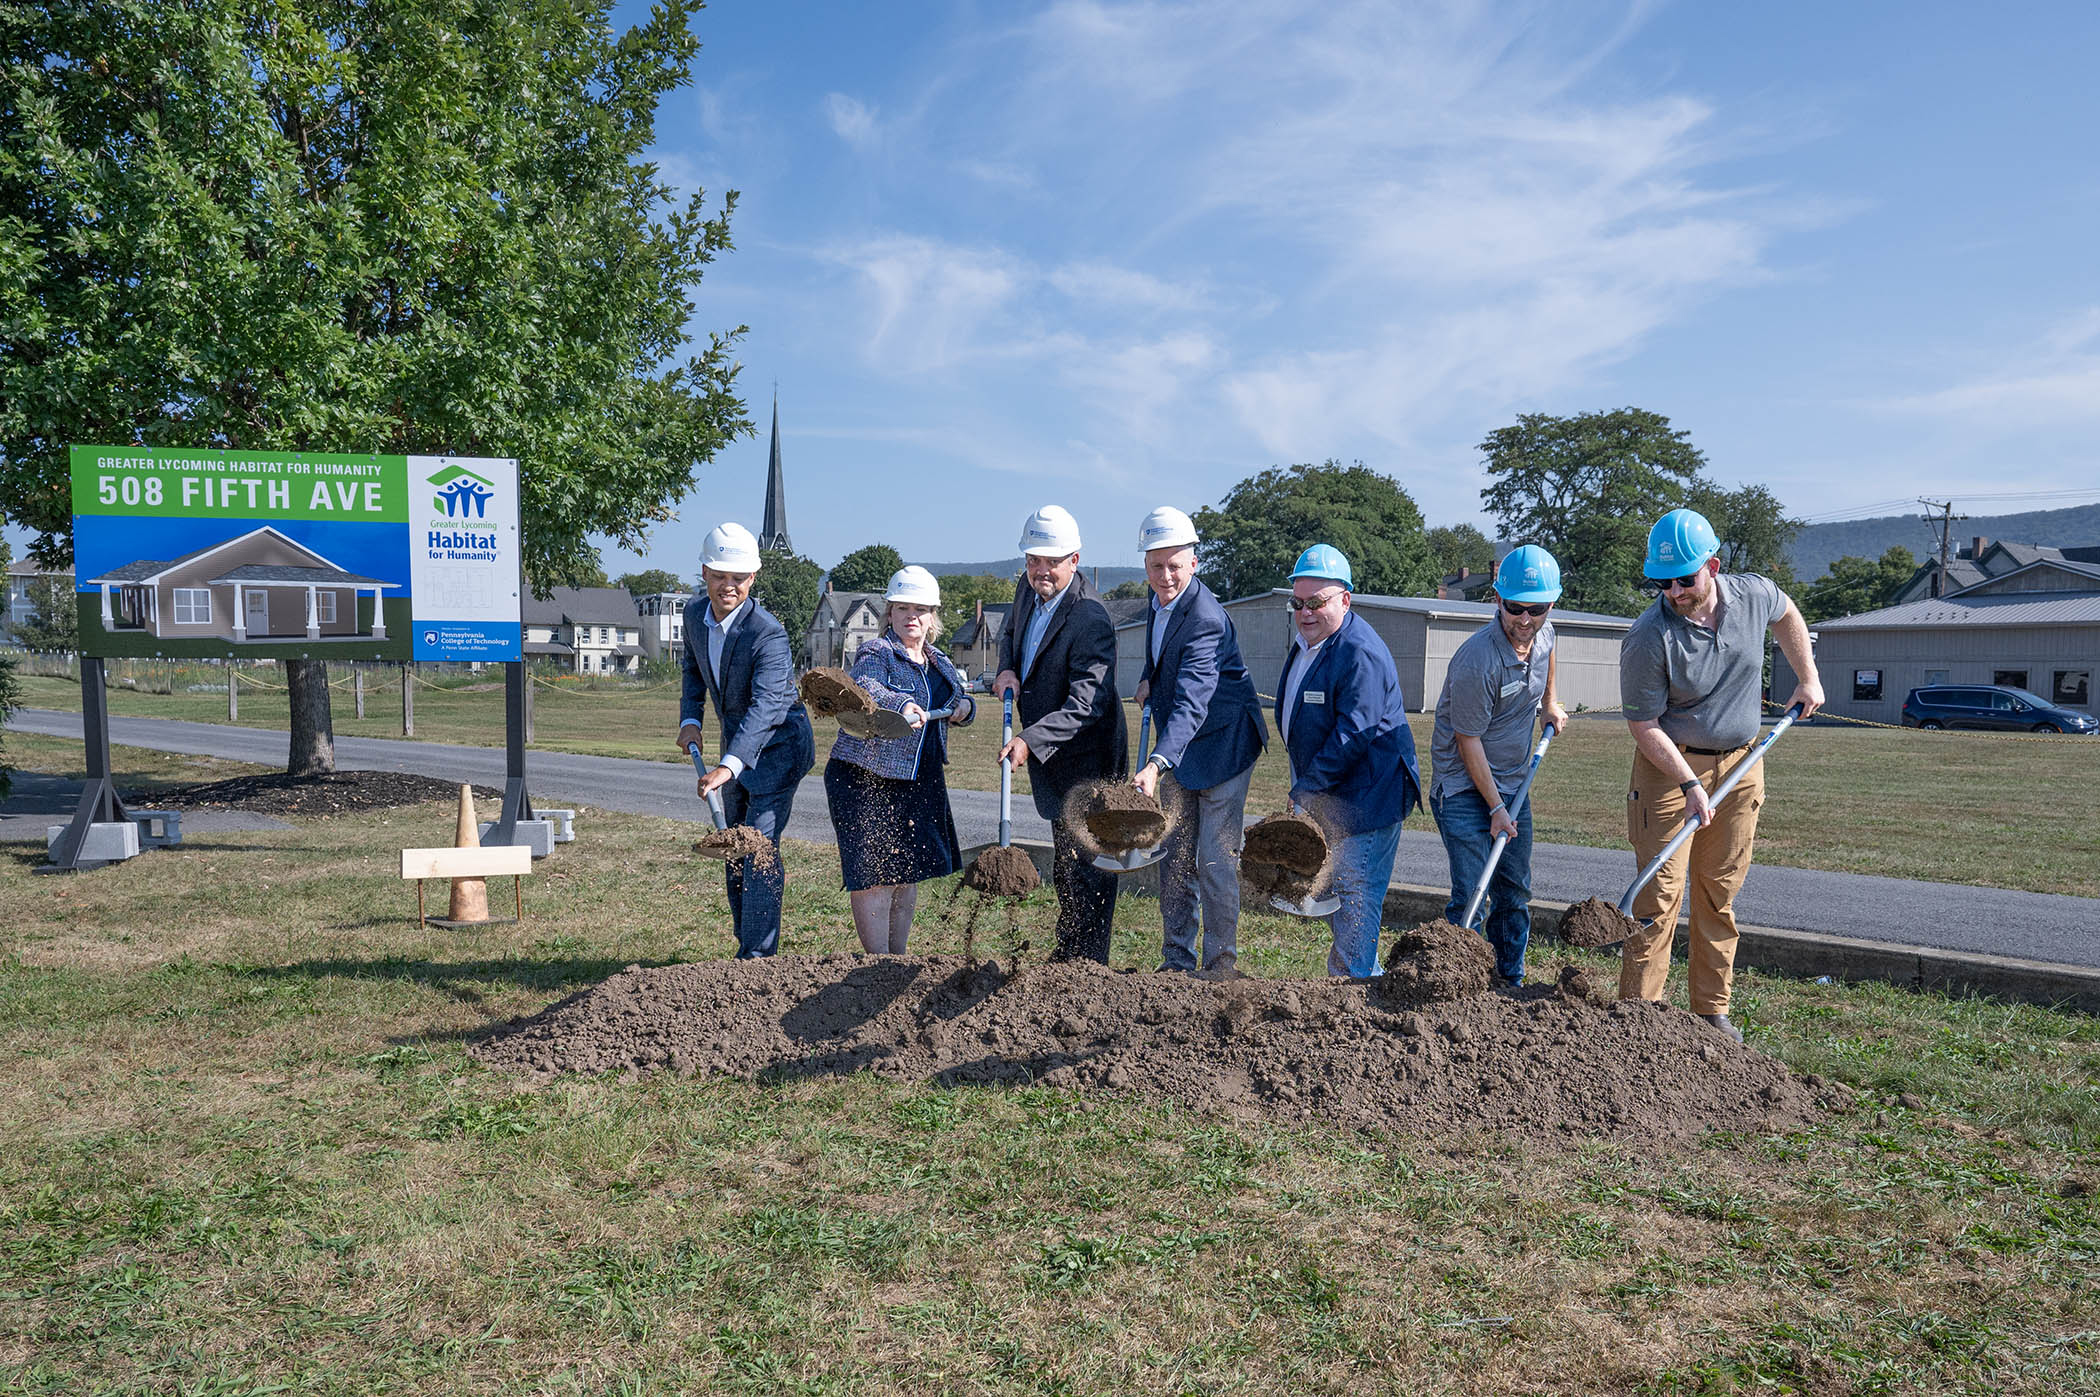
(1991, 809)
(247, 1153)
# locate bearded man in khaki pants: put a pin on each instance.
(1691, 675)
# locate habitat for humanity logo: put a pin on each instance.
(457, 488)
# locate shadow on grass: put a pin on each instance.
(456, 978)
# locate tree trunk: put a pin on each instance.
(313, 726)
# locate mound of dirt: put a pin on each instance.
(735, 844)
(1595, 922)
(1002, 871)
(1437, 961)
(331, 793)
(1533, 1064)
(1116, 815)
(830, 692)
(1286, 856)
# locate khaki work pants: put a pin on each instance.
(1717, 859)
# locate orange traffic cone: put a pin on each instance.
(470, 896)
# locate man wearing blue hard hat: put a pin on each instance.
(1498, 685)
(1691, 677)
(1352, 754)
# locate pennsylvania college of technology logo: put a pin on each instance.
(459, 488)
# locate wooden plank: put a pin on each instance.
(510, 859)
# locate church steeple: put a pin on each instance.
(773, 534)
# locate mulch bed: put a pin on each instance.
(334, 793)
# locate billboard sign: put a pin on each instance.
(181, 552)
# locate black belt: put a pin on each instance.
(1712, 751)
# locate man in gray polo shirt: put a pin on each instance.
(1497, 686)
(1691, 677)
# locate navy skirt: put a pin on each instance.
(891, 831)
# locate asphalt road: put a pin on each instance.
(1995, 921)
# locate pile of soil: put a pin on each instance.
(332, 793)
(1535, 1063)
(830, 692)
(1286, 856)
(735, 844)
(1438, 961)
(1594, 922)
(1002, 871)
(1116, 816)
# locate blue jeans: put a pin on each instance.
(1462, 819)
(1363, 869)
(755, 887)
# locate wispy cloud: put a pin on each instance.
(2053, 382)
(852, 120)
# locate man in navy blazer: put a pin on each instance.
(1203, 707)
(1353, 769)
(737, 660)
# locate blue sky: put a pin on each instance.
(1117, 255)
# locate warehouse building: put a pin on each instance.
(1422, 633)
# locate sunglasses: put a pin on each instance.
(1313, 603)
(1666, 584)
(1517, 608)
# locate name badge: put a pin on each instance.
(1313, 696)
(1514, 686)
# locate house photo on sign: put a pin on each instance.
(181, 552)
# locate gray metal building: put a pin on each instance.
(1422, 633)
(2036, 627)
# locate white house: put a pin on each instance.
(663, 622)
(595, 629)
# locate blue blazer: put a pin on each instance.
(1352, 752)
(892, 680)
(1202, 699)
(765, 725)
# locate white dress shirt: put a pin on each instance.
(1306, 656)
(717, 641)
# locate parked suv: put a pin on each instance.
(1996, 706)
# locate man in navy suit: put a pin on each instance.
(1353, 769)
(737, 660)
(1196, 688)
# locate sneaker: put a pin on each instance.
(1720, 1021)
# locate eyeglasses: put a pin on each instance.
(1314, 603)
(1517, 608)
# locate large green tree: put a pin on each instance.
(786, 585)
(1258, 530)
(416, 227)
(1455, 546)
(1587, 488)
(1853, 585)
(651, 582)
(1753, 525)
(866, 569)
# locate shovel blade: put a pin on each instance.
(1307, 906)
(882, 725)
(1131, 861)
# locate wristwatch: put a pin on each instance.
(1684, 788)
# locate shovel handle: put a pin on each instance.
(1516, 803)
(1692, 823)
(715, 811)
(1006, 776)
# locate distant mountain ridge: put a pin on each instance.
(1007, 567)
(1819, 545)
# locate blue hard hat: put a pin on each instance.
(1679, 544)
(1324, 560)
(1529, 575)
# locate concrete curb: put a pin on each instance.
(1775, 950)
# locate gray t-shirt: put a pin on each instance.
(1702, 684)
(1490, 694)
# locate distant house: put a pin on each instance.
(18, 607)
(596, 630)
(1980, 560)
(2033, 626)
(974, 645)
(259, 586)
(844, 622)
(1465, 585)
(663, 622)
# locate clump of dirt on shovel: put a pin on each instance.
(1002, 871)
(735, 844)
(830, 692)
(1437, 960)
(1595, 922)
(1116, 815)
(1286, 856)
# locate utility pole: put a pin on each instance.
(1946, 522)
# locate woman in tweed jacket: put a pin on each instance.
(889, 799)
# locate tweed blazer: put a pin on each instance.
(892, 680)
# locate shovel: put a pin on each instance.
(886, 724)
(1516, 806)
(1309, 905)
(1144, 856)
(1004, 870)
(714, 805)
(1692, 824)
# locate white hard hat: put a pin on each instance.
(1050, 532)
(729, 548)
(915, 585)
(1166, 527)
